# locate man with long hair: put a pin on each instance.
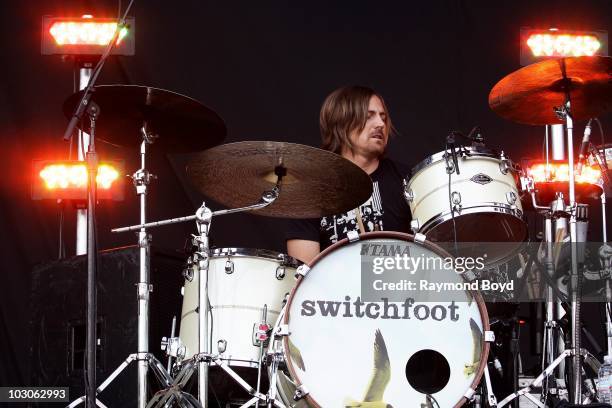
(355, 124)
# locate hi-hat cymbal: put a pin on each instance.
(182, 124)
(317, 182)
(530, 94)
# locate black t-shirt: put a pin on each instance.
(385, 210)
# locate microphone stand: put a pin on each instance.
(93, 110)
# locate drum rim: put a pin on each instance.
(401, 236)
(284, 259)
(478, 208)
(439, 156)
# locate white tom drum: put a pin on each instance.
(484, 197)
(241, 281)
(346, 349)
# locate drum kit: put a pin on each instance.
(261, 319)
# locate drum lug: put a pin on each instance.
(280, 272)
(504, 164)
(302, 270)
(352, 236)
(469, 275)
(469, 394)
(415, 225)
(300, 392)
(419, 238)
(221, 346)
(229, 266)
(489, 336)
(456, 200)
(282, 330)
(188, 271)
(511, 197)
(408, 193)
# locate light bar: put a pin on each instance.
(75, 33)
(68, 180)
(554, 43)
(559, 172)
(85, 36)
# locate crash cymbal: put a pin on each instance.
(317, 182)
(530, 94)
(182, 124)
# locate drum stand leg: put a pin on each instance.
(276, 357)
(159, 370)
(491, 399)
(551, 333)
(174, 391)
(537, 382)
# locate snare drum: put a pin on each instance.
(241, 281)
(484, 197)
(349, 349)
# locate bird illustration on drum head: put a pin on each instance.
(381, 375)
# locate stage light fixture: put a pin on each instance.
(559, 172)
(68, 180)
(538, 44)
(75, 33)
(85, 35)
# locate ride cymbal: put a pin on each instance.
(317, 182)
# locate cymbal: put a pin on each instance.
(317, 183)
(182, 124)
(529, 95)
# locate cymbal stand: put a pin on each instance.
(204, 358)
(557, 209)
(605, 252)
(141, 179)
(564, 112)
(554, 221)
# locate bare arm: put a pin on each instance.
(302, 249)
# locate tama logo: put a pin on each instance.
(384, 250)
(481, 178)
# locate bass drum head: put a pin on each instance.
(346, 355)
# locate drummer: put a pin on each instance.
(355, 124)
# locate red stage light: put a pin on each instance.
(555, 172)
(68, 180)
(538, 44)
(81, 33)
(563, 45)
(85, 36)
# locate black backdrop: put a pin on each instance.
(265, 67)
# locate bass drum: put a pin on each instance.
(344, 350)
(484, 195)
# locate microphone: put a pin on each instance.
(584, 145)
